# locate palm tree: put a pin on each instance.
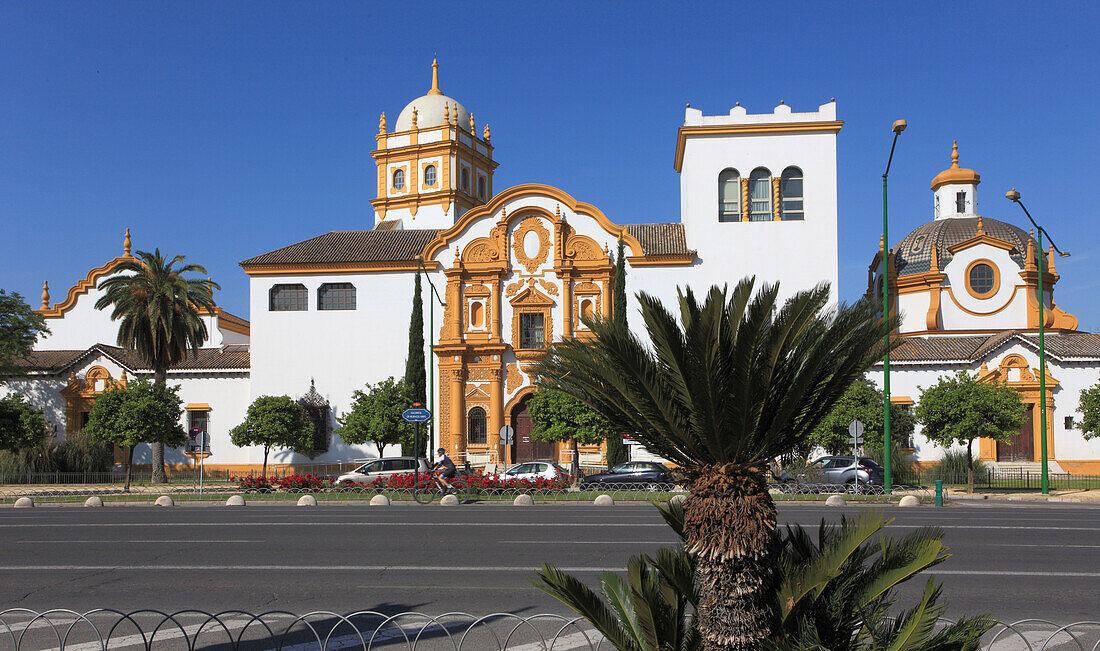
(733, 385)
(159, 312)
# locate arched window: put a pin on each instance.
(761, 195)
(429, 176)
(729, 196)
(464, 179)
(477, 314)
(399, 179)
(336, 296)
(288, 298)
(790, 188)
(475, 427)
(586, 308)
(481, 187)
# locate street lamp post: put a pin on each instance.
(1013, 195)
(888, 484)
(431, 360)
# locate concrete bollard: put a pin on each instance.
(909, 500)
(523, 500)
(165, 500)
(94, 501)
(604, 500)
(24, 503)
(307, 500)
(449, 500)
(235, 500)
(379, 500)
(678, 499)
(836, 500)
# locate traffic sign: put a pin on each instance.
(416, 415)
(856, 430)
(507, 435)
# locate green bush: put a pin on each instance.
(79, 453)
(902, 468)
(951, 469)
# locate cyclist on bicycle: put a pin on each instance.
(448, 466)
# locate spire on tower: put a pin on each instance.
(46, 295)
(382, 123)
(435, 79)
(473, 129)
(126, 243)
(954, 153)
(485, 134)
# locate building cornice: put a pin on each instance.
(828, 126)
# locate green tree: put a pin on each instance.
(22, 426)
(617, 452)
(375, 415)
(560, 417)
(862, 402)
(139, 412)
(738, 381)
(416, 378)
(159, 312)
(274, 422)
(1089, 408)
(19, 329)
(961, 408)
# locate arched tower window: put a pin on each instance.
(429, 175)
(481, 187)
(790, 188)
(464, 180)
(399, 179)
(475, 427)
(729, 196)
(761, 193)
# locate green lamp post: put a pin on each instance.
(1014, 196)
(888, 484)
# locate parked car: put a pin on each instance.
(533, 470)
(842, 470)
(385, 466)
(632, 472)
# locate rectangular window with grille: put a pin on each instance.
(288, 298)
(336, 296)
(531, 334)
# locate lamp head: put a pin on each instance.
(899, 126)
(1012, 195)
(1064, 254)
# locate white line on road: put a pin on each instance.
(150, 540)
(526, 525)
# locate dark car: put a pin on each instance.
(632, 472)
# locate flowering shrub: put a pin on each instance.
(254, 482)
(307, 481)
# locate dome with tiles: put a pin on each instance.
(433, 110)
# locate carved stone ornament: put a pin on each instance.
(519, 236)
(513, 288)
(550, 288)
(514, 379)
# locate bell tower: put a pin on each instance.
(433, 166)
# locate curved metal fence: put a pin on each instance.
(625, 492)
(28, 630)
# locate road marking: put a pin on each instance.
(338, 524)
(151, 540)
(303, 568)
(1083, 575)
(1047, 545)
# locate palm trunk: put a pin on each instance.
(160, 379)
(730, 523)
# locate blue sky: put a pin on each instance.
(224, 130)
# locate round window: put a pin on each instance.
(982, 279)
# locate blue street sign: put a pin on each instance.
(416, 415)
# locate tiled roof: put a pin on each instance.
(350, 247)
(387, 225)
(230, 357)
(660, 239)
(972, 348)
(913, 254)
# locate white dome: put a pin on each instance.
(429, 113)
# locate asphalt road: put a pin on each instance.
(1013, 561)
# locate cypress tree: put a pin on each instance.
(616, 450)
(416, 378)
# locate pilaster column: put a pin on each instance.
(605, 294)
(567, 303)
(777, 203)
(746, 206)
(496, 409)
(457, 438)
(497, 334)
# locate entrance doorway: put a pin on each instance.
(527, 448)
(1022, 445)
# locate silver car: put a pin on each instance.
(385, 466)
(844, 470)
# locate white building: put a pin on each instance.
(967, 289)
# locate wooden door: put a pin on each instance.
(1022, 445)
(527, 448)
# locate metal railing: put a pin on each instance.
(28, 630)
(1004, 479)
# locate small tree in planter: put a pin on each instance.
(139, 412)
(962, 408)
(560, 417)
(274, 422)
(375, 415)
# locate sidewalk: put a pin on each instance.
(994, 495)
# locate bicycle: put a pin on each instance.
(431, 487)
